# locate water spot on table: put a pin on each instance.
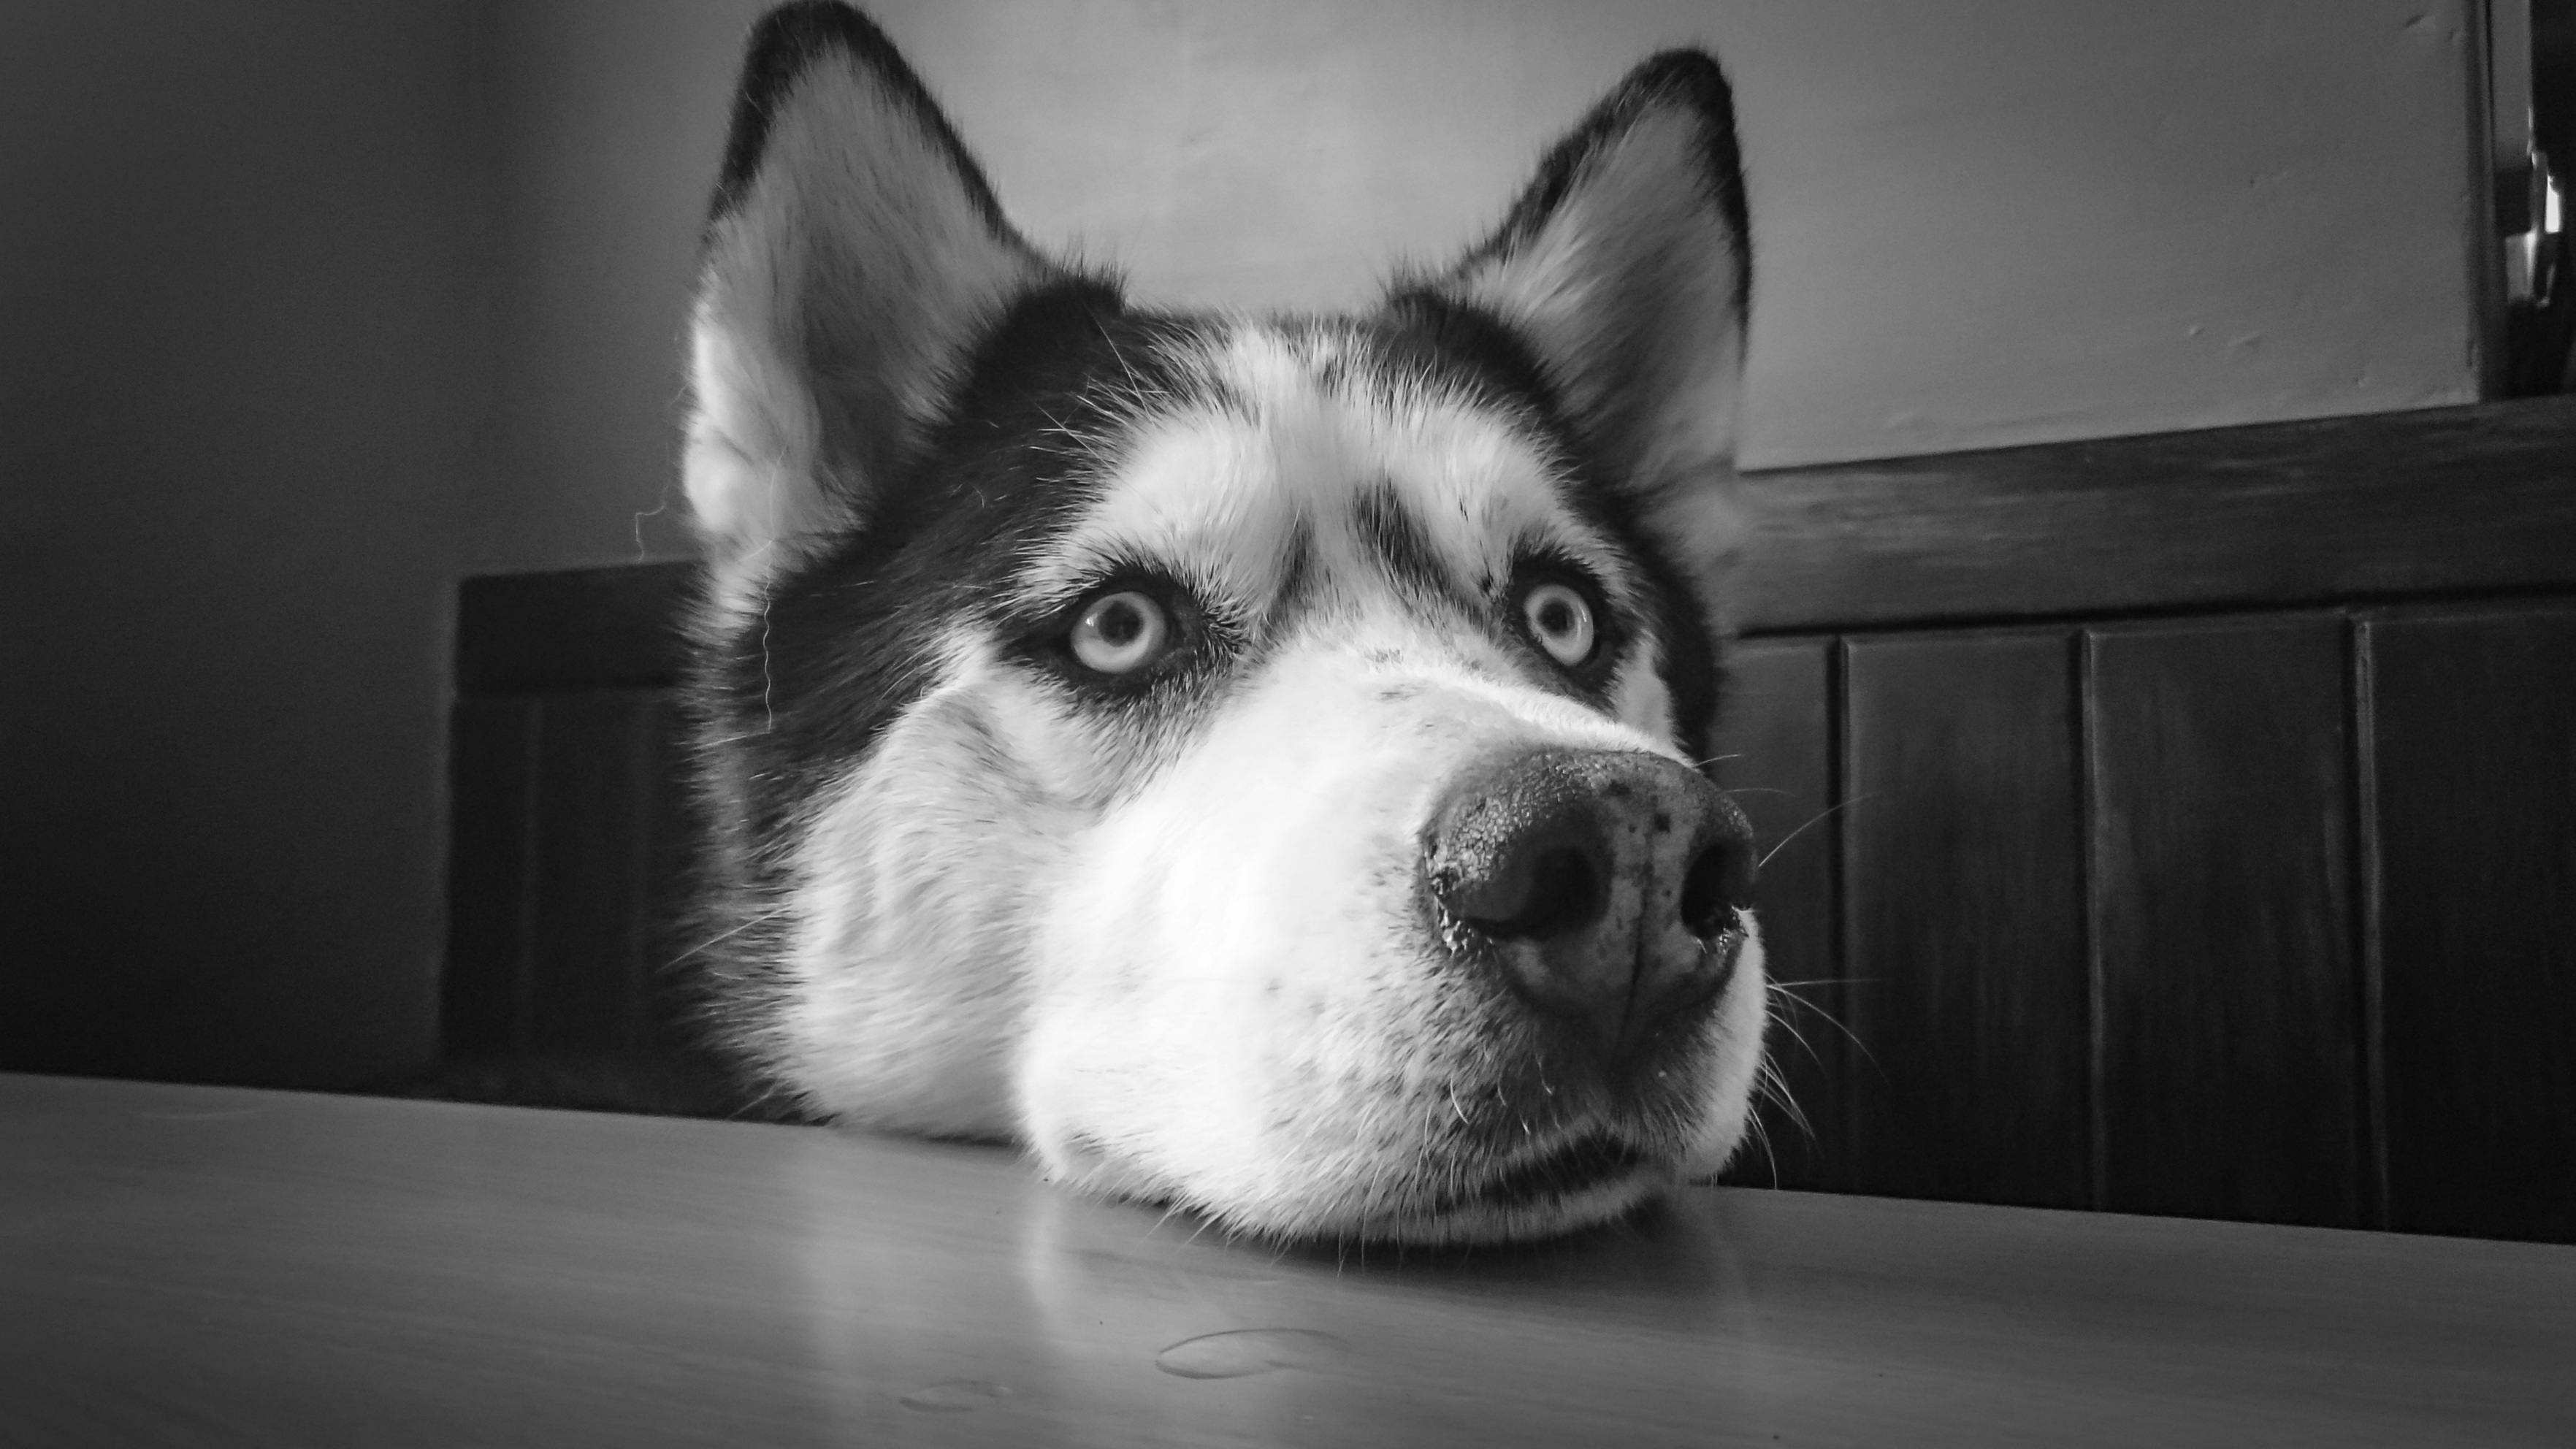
(957, 1396)
(1241, 1352)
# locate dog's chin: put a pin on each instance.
(1577, 1185)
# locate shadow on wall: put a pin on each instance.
(242, 284)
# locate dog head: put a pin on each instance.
(1250, 762)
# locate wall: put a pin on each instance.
(1976, 225)
(615, 117)
(240, 346)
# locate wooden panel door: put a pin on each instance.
(1964, 919)
(2472, 769)
(2229, 993)
(492, 773)
(567, 853)
(593, 853)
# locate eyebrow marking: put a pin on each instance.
(1297, 573)
(1387, 529)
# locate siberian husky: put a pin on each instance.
(1249, 762)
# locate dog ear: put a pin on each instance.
(853, 254)
(1624, 267)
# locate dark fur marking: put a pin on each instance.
(845, 645)
(1420, 333)
(1297, 582)
(1388, 530)
(791, 40)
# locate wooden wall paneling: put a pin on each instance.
(2473, 723)
(2222, 903)
(1774, 754)
(492, 760)
(2314, 513)
(1963, 911)
(593, 848)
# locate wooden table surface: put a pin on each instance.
(201, 1266)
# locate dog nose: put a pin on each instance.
(1605, 883)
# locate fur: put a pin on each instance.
(1176, 933)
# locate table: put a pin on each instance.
(202, 1266)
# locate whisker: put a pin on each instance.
(1801, 830)
(1781, 1020)
(1830, 1020)
(768, 682)
(1133, 381)
(1762, 1139)
(1786, 994)
(729, 933)
(1779, 1088)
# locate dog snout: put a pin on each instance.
(1604, 885)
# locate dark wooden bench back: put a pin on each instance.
(569, 844)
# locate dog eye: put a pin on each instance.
(1121, 633)
(1560, 621)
